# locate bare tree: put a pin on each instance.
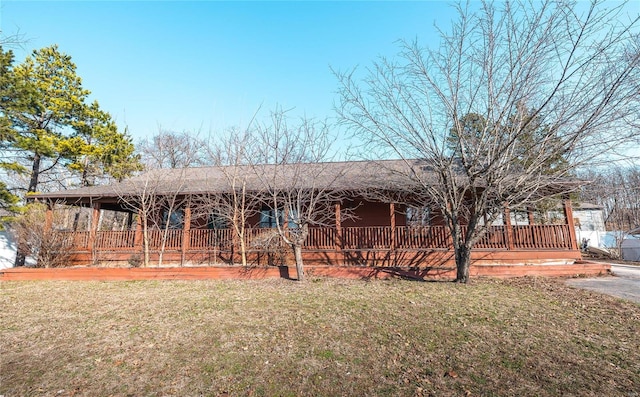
(156, 196)
(240, 200)
(141, 199)
(300, 185)
(617, 190)
(572, 73)
(169, 149)
(169, 206)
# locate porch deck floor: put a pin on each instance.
(80, 273)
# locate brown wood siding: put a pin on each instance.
(367, 213)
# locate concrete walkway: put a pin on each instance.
(625, 283)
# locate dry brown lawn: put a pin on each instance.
(530, 336)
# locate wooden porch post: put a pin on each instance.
(137, 238)
(338, 241)
(392, 216)
(530, 215)
(186, 233)
(508, 228)
(568, 215)
(95, 218)
(48, 217)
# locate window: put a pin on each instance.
(418, 216)
(268, 218)
(216, 221)
(292, 218)
(175, 220)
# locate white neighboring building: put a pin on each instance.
(7, 250)
(589, 223)
(588, 217)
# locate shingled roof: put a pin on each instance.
(346, 175)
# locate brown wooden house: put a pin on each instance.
(364, 229)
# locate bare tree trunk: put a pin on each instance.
(20, 259)
(85, 174)
(243, 249)
(296, 244)
(145, 242)
(297, 252)
(463, 263)
(35, 173)
(462, 252)
(163, 242)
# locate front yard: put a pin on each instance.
(528, 336)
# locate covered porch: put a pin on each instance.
(392, 243)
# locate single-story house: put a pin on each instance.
(360, 229)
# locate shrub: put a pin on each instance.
(49, 248)
(270, 243)
(135, 260)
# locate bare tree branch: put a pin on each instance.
(291, 162)
(555, 89)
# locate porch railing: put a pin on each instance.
(78, 240)
(347, 238)
(435, 237)
(115, 239)
(542, 236)
(372, 237)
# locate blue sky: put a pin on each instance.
(205, 66)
